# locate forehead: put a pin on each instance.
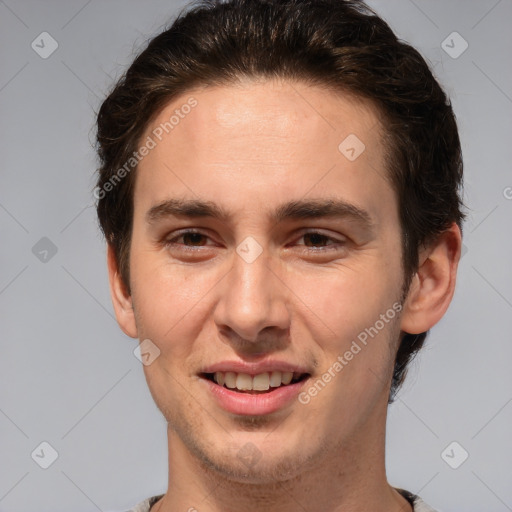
(291, 136)
(265, 109)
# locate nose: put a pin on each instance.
(253, 303)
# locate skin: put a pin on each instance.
(251, 147)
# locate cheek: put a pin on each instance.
(344, 300)
(168, 300)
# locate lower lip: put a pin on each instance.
(251, 405)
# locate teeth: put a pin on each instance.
(229, 379)
(245, 382)
(260, 382)
(219, 378)
(286, 377)
(275, 379)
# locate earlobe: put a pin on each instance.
(433, 285)
(121, 298)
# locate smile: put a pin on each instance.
(261, 382)
(254, 394)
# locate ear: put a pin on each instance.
(121, 299)
(433, 285)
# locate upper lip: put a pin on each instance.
(254, 368)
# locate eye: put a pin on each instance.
(191, 238)
(318, 241)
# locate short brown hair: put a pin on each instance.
(339, 44)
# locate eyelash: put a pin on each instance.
(172, 241)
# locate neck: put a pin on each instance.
(349, 477)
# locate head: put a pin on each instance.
(247, 104)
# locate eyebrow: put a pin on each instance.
(292, 210)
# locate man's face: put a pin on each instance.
(261, 295)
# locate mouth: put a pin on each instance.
(254, 388)
(259, 384)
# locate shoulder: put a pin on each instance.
(418, 504)
(145, 506)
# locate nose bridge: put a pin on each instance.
(252, 280)
(253, 297)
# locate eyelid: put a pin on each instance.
(178, 234)
(332, 243)
(315, 231)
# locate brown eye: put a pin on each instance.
(187, 240)
(193, 237)
(320, 241)
(316, 239)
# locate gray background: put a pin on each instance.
(68, 376)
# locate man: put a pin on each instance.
(279, 190)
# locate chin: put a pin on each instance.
(265, 471)
(248, 459)
(249, 450)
